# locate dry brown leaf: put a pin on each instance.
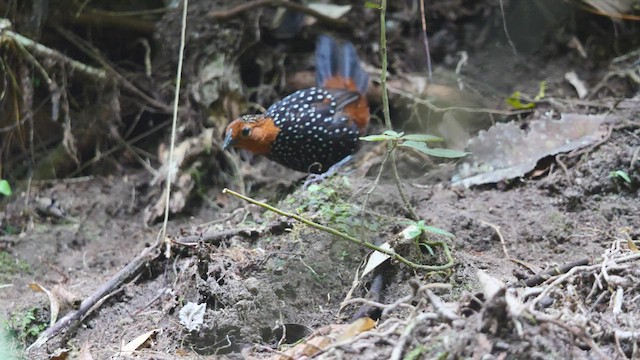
(325, 337)
(66, 297)
(85, 354)
(138, 342)
(358, 326)
(61, 354)
(53, 301)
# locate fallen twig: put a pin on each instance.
(73, 318)
(216, 236)
(147, 256)
(554, 271)
(41, 50)
(499, 233)
(349, 238)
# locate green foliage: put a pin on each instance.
(620, 174)
(415, 229)
(5, 188)
(27, 325)
(515, 100)
(10, 265)
(415, 353)
(325, 200)
(415, 141)
(372, 5)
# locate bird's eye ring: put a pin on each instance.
(246, 131)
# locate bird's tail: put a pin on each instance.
(338, 66)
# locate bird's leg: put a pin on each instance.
(318, 178)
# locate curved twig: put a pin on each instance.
(392, 254)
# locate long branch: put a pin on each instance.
(349, 238)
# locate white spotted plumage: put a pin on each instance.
(314, 132)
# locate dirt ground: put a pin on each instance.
(572, 219)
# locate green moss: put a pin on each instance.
(329, 203)
(10, 265)
(27, 325)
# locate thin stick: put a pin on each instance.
(385, 108)
(425, 38)
(146, 256)
(497, 230)
(176, 99)
(506, 31)
(349, 238)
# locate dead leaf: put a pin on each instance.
(577, 84)
(330, 10)
(192, 315)
(511, 150)
(325, 337)
(85, 354)
(53, 301)
(61, 354)
(66, 297)
(490, 285)
(376, 259)
(358, 326)
(137, 343)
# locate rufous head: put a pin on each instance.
(254, 133)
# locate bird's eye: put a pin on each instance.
(246, 131)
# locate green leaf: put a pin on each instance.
(427, 247)
(415, 353)
(5, 188)
(620, 174)
(411, 231)
(446, 153)
(435, 230)
(421, 137)
(372, 5)
(395, 134)
(541, 91)
(381, 137)
(515, 102)
(437, 152)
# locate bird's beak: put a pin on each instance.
(228, 141)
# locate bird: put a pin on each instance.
(312, 129)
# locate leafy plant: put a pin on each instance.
(26, 326)
(417, 229)
(5, 188)
(415, 141)
(325, 200)
(9, 265)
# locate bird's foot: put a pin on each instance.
(318, 178)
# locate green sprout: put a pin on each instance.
(620, 174)
(5, 188)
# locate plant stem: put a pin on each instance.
(385, 109)
(403, 196)
(349, 238)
